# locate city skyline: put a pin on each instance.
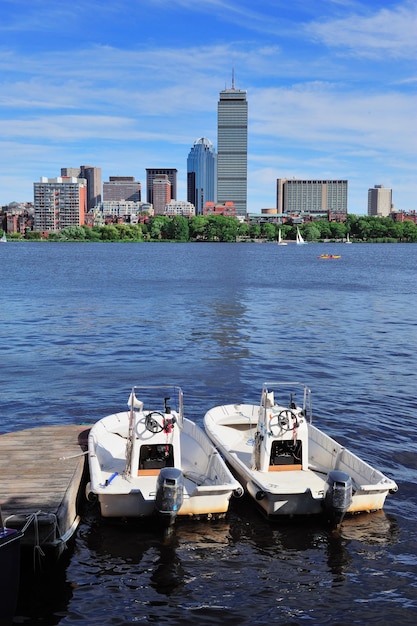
(127, 86)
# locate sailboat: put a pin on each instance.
(299, 239)
(280, 242)
(3, 239)
(347, 239)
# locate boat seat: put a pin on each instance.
(285, 468)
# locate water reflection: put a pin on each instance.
(136, 567)
(375, 528)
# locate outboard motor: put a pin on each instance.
(169, 494)
(338, 495)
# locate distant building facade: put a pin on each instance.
(179, 207)
(324, 198)
(162, 193)
(125, 208)
(220, 208)
(201, 174)
(18, 218)
(119, 188)
(151, 174)
(232, 148)
(93, 177)
(59, 202)
(379, 201)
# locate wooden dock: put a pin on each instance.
(42, 473)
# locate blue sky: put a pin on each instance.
(131, 84)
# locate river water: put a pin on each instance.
(82, 323)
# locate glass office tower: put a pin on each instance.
(232, 148)
(201, 174)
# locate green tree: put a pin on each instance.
(337, 230)
(227, 228)
(158, 227)
(124, 231)
(136, 232)
(243, 229)
(310, 232)
(198, 225)
(409, 231)
(255, 231)
(285, 231)
(324, 227)
(109, 233)
(33, 235)
(268, 231)
(179, 228)
(92, 234)
(72, 232)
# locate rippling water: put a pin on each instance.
(82, 323)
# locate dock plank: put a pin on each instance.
(41, 476)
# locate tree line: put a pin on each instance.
(229, 229)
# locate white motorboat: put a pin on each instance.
(289, 466)
(151, 461)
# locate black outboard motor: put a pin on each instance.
(338, 495)
(169, 495)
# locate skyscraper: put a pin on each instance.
(379, 201)
(232, 148)
(161, 194)
(316, 197)
(59, 202)
(151, 173)
(201, 174)
(93, 177)
(122, 188)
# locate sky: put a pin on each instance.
(132, 84)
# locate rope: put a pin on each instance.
(38, 553)
(74, 456)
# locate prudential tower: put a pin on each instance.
(232, 148)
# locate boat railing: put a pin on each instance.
(271, 391)
(163, 398)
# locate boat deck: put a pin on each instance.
(41, 475)
(278, 479)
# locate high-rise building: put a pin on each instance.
(161, 193)
(93, 177)
(59, 202)
(122, 188)
(232, 148)
(201, 174)
(316, 197)
(152, 173)
(379, 201)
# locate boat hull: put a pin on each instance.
(208, 483)
(287, 491)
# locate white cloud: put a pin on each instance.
(381, 33)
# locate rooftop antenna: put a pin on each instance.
(233, 77)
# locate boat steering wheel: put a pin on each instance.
(155, 422)
(284, 421)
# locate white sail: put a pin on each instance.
(299, 239)
(280, 242)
